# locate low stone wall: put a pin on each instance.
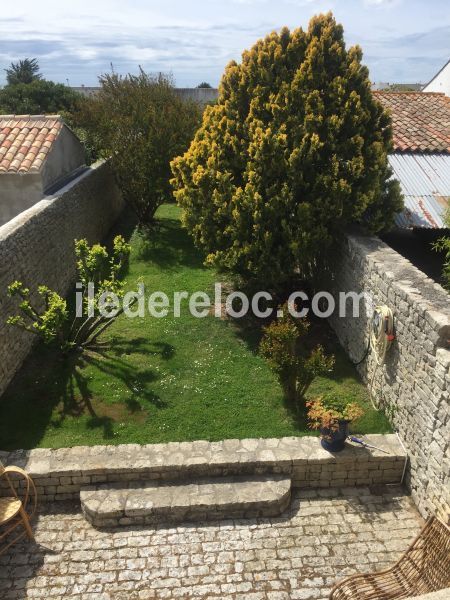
(37, 247)
(61, 474)
(413, 385)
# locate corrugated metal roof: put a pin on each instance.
(425, 183)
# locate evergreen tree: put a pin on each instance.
(294, 150)
(23, 71)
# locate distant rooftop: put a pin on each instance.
(421, 121)
(25, 141)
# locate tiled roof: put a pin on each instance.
(421, 121)
(25, 140)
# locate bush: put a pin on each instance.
(282, 346)
(294, 150)
(327, 411)
(443, 245)
(49, 321)
(38, 97)
(141, 124)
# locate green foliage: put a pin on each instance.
(49, 322)
(49, 318)
(294, 150)
(141, 124)
(23, 71)
(38, 97)
(205, 84)
(327, 411)
(282, 346)
(443, 245)
(165, 380)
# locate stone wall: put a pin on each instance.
(37, 247)
(413, 385)
(61, 474)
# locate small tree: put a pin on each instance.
(23, 71)
(141, 124)
(205, 85)
(282, 345)
(49, 320)
(294, 150)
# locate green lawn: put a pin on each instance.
(167, 379)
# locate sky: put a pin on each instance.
(402, 40)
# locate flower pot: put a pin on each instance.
(333, 440)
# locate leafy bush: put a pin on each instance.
(327, 411)
(282, 346)
(49, 320)
(443, 245)
(141, 124)
(294, 150)
(38, 97)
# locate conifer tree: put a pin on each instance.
(294, 151)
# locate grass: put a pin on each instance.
(166, 379)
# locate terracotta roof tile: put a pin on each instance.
(25, 141)
(421, 120)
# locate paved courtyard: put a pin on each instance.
(323, 536)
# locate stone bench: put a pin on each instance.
(143, 503)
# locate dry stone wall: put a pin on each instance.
(60, 474)
(414, 383)
(37, 247)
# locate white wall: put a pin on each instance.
(441, 82)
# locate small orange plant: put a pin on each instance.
(326, 412)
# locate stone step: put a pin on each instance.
(149, 503)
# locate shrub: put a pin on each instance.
(282, 346)
(327, 411)
(49, 320)
(38, 97)
(140, 123)
(294, 150)
(443, 245)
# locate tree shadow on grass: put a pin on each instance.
(169, 246)
(49, 389)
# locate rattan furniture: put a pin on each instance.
(17, 506)
(425, 567)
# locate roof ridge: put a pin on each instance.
(408, 93)
(32, 117)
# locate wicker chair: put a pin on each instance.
(425, 567)
(16, 512)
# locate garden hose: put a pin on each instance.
(381, 332)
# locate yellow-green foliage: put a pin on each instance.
(294, 150)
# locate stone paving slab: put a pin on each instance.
(323, 536)
(150, 503)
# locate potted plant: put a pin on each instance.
(332, 416)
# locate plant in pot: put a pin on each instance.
(332, 415)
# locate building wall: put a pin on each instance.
(200, 95)
(37, 247)
(441, 82)
(17, 193)
(66, 155)
(414, 384)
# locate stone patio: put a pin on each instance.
(323, 536)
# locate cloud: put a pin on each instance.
(381, 3)
(195, 42)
